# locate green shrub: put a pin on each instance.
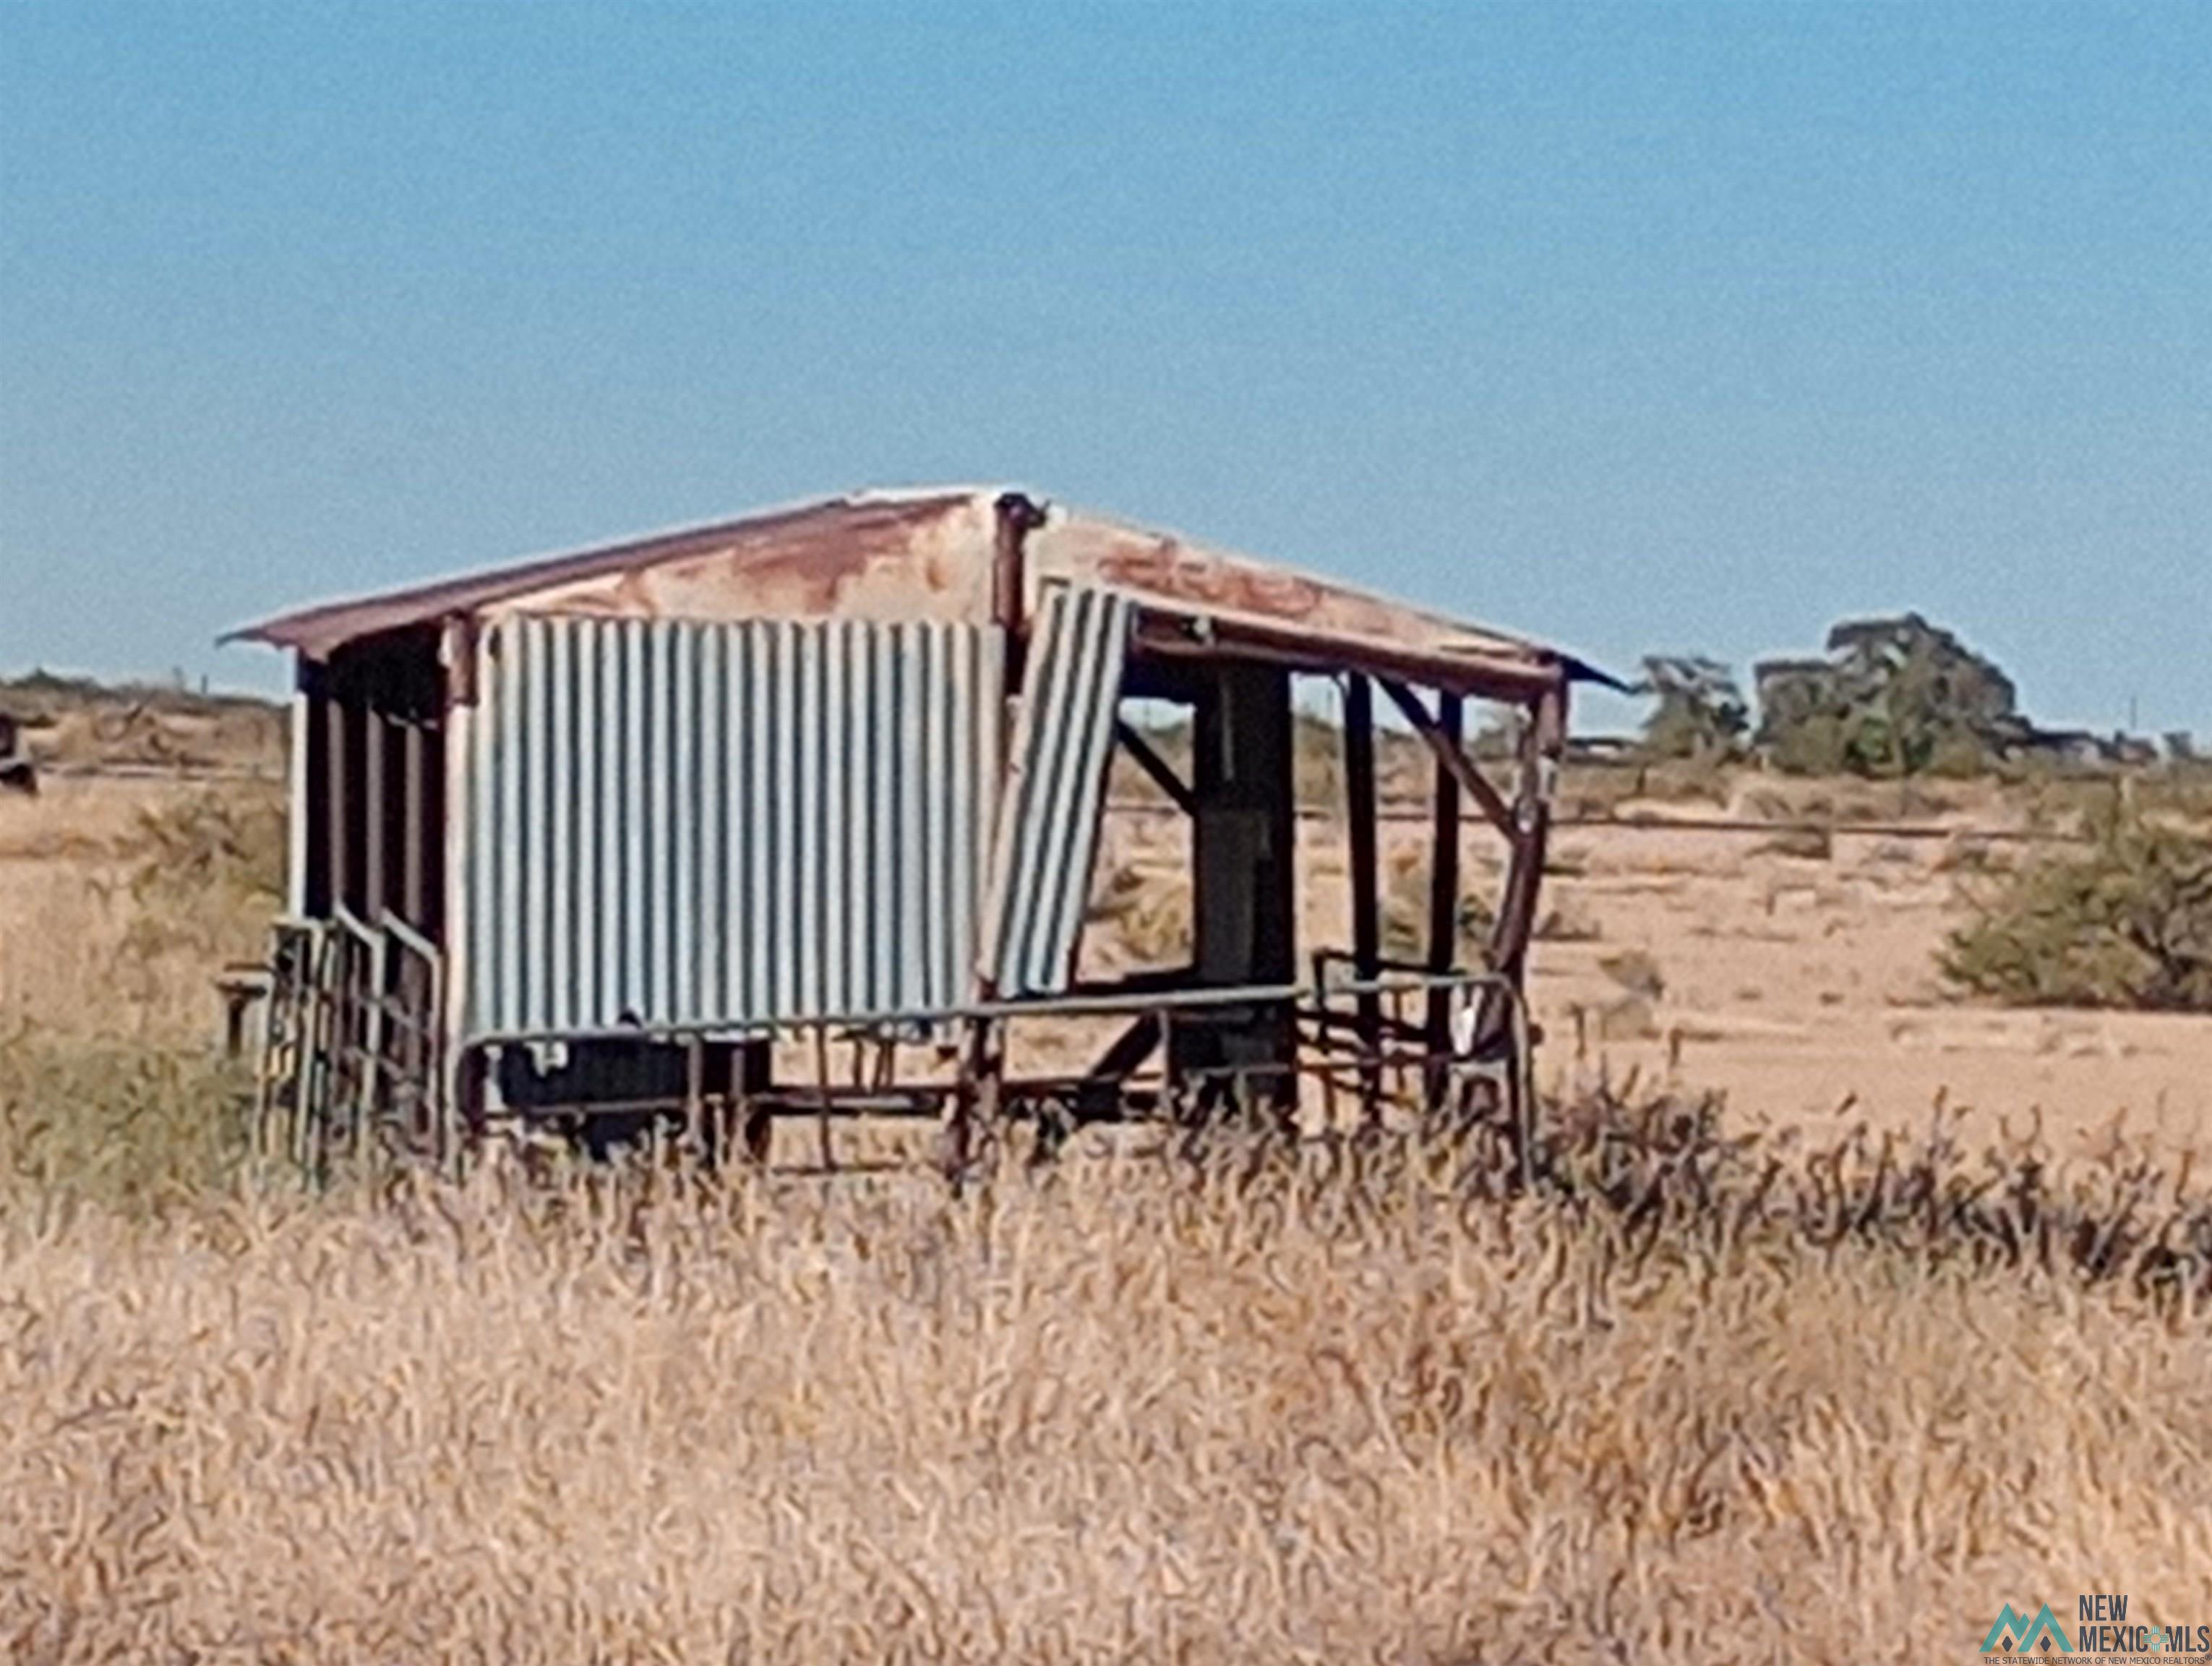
(207, 871)
(2126, 923)
(125, 1124)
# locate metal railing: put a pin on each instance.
(1479, 1066)
(355, 1065)
(351, 1058)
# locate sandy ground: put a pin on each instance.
(1800, 989)
(1803, 990)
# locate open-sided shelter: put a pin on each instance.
(600, 830)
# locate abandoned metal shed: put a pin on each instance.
(602, 832)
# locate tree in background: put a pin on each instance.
(2127, 922)
(1701, 713)
(1894, 696)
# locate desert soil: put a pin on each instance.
(1803, 990)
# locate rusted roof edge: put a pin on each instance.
(317, 628)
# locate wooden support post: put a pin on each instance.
(414, 818)
(1543, 745)
(977, 1100)
(694, 1095)
(827, 1146)
(1443, 890)
(375, 786)
(337, 808)
(755, 1078)
(1367, 906)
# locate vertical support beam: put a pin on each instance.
(1016, 519)
(375, 788)
(1443, 894)
(337, 801)
(1361, 863)
(694, 1095)
(457, 654)
(1244, 886)
(420, 828)
(299, 797)
(982, 1069)
(753, 1067)
(1543, 745)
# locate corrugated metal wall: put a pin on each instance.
(1070, 693)
(702, 824)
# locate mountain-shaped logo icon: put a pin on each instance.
(2015, 1631)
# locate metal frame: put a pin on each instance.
(1482, 1079)
(352, 1062)
(373, 1052)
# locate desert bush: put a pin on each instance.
(2126, 922)
(1917, 801)
(132, 1126)
(207, 871)
(1965, 853)
(1637, 971)
(1711, 779)
(1764, 803)
(1569, 922)
(1894, 696)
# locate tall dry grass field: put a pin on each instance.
(1125, 1416)
(1339, 1405)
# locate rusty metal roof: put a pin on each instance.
(818, 537)
(928, 554)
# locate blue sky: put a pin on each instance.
(1638, 329)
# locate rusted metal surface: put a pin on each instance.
(959, 555)
(1316, 620)
(725, 824)
(923, 555)
(1443, 873)
(729, 780)
(1056, 789)
(1363, 870)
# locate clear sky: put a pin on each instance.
(1635, 329)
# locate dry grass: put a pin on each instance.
(1130, 1415)
(119, 901)
(1146, 908)
(1698, 1400)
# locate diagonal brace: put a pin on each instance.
(1471, 779)
(1155, 766)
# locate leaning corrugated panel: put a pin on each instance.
(1049, 835)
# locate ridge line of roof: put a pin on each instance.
(590, 558)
